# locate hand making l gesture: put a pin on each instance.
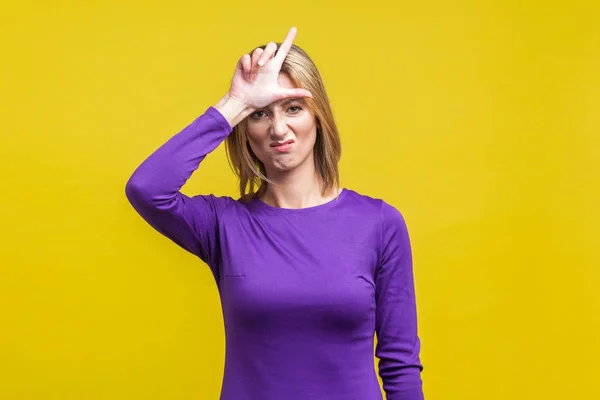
(255, 80)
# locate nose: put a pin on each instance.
(279, 128)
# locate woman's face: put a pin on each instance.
(283, 134)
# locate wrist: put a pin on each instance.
(233, 110)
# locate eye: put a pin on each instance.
(258, 115)
(294, 109)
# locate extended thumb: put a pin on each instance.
(297, 92)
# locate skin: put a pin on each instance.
(286, 120)
(276, 112)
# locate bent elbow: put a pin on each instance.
(135, 189)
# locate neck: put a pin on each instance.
(299, 188)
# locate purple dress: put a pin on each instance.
(303, 291)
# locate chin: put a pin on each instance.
(283, 167)
(285, 162)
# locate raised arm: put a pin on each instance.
(154, 188)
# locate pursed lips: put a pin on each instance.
(277, 144)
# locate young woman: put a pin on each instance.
(308, 272)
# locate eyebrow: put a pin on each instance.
(288, 101)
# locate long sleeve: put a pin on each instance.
(154, 188)
(398, 344)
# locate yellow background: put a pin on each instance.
(479, 120)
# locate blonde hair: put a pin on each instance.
(301, 70)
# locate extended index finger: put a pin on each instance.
(285, 46)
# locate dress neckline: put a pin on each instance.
(320, 207)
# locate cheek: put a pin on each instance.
(255, 148)
(256, 137)
(310, 136)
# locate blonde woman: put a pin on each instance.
(308, 272)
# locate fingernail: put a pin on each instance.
(260, 62)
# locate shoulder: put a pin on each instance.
(363, 203)
(218, 204)
(387, 213)
(387, 218)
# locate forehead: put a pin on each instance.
(286, 83)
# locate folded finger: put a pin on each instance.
(267, 54)
(255, 56)
(246, 66)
